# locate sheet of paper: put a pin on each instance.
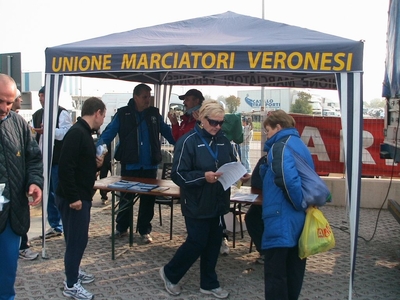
(232, 172)
(245, 197)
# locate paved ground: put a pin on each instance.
(134, 274)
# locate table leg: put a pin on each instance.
(130, 210)
(129, 206)
(240, 219)
(112, 225)
(234, 226)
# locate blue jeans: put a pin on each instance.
(203, 240)
(9, 250)
(244, 150)
(53, 214)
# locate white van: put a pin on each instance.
(30, 104)
(316, 107)
(175, 105)
(113, 101)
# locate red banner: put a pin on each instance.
(323, 136)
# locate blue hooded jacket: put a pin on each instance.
(283, 214)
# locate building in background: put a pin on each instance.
(30, 84)
(250, 100)
(32, 81)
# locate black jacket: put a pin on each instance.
(37, 119)
(77, 166)
(200, 199)
(20, 166)
(128, 149)
(256, 180)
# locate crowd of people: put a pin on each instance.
(200, 149)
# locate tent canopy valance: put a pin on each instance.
(226, 49)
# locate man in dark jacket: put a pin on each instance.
(21, 174)
(138, 126)
(64, 122)
(78, 167)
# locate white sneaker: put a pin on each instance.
(51, 232)
(77, 292)
(85, 277)
(146, 238)
(224, 250)
(217, 292)
(28, 254)
(173, 289)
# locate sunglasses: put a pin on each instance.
(214, 123)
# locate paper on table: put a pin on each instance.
(245, 197)
(232, 172)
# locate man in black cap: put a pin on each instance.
(64, 122)
(192, 101)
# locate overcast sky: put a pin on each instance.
(30, 26)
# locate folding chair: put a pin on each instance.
(160, 200)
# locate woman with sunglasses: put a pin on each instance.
(197, 156)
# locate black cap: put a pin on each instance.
(42, 90)
(193, 92)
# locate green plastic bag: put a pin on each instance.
(317, 235)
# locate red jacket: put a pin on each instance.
(187, 124)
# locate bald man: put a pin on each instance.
(21, 175)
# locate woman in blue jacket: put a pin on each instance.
(283, 213)
(197, 156)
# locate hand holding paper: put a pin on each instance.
(231, 172)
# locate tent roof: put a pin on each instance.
(222, 49)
